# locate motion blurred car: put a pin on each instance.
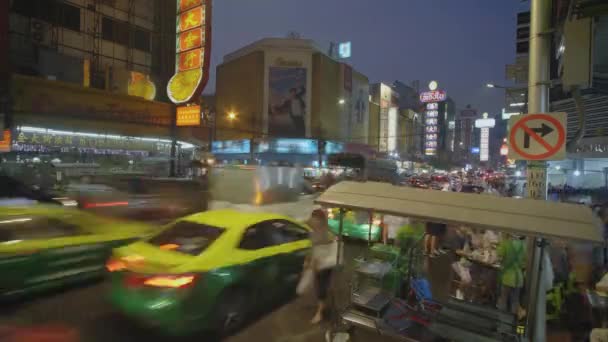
(49, 246)
(208, 271)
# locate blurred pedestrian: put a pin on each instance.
(512, 253)
(322, 260)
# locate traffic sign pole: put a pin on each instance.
(538, 102)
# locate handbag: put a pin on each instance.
(306, 281)
(326, 255)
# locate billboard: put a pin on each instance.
(358, 120)
(287, 101)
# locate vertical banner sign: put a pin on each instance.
(431, 129)
(537, 181)
(484, 142)
(193, 45)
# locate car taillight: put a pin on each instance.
(160, 281)
(115, 265)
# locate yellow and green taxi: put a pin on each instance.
(49, 246)
(208, 271)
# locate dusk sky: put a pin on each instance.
(463, 44)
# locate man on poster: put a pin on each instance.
(296, 107)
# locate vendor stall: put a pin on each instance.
(419, 307)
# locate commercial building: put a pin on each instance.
(85, 81)
(290, 99)
(410, 109)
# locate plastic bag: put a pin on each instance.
(306, 281)
(462, 272)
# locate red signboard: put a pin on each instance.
(191, 19)
(190, 39)
(190, 60)
(188, 4)
(193, 46)
(433, 96)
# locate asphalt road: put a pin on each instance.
(85, 310)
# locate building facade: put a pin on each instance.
(281, 92)
(86, 81)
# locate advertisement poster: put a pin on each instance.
(287, 112)
(359, 111)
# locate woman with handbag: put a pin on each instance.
(322, 260)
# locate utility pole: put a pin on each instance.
(538, 102)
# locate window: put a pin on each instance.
(68, 16)
(261, 235)
(35, 228)
(272, 233)
(523, 33)
(53, 12)
(120, 32)
(115, 31)
(291, 232)
(142, 40)
(187, 237)
(522, 47)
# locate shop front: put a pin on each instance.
(56, 123)
(281, 151)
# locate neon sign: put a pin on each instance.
(193, 47)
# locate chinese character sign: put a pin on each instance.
(193, 45)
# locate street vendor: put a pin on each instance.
(512, 253)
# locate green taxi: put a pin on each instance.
(46, 246)
(208, 271)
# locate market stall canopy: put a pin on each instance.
(520, 216)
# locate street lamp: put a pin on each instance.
(490, 85)
(341, 101)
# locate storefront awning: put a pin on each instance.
(520, 216)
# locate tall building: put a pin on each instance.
(411, 116)
(86, 81)
(388, 117)
(282, 92)
(517, 73)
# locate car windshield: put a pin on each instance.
(187, 237)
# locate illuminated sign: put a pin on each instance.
(193, 45)
(485, 122)
(433, 96)
(188, 116)
(140, 85)
(5, 143)
(484, 144)
(504, 150)
(475, 150)
(298, 146)
(231, 146)
(344, 50)
(333, 147)
(506, 116)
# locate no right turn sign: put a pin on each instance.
(537, 136)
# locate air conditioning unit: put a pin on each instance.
(39, 32)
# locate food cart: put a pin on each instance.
(447, 317)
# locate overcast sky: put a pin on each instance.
(463, 44)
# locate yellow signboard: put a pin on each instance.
(188, 116)
(192, 50)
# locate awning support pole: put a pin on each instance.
(340, 228)
(369, 232)
(533, 289)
